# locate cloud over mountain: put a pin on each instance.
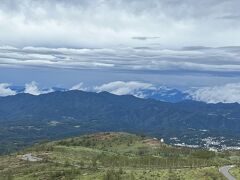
(5, 90)
(123, 88)
(79, 86)
(32, 88)
(229, 93)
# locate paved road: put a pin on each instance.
(225, 171)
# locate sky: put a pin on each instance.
(178, 43)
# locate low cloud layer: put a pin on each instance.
(5, 90)
(123, 88)
(80, 87)
(32, 88)
(229, 93)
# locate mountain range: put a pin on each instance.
(28, 118)
(165, 94)
(160, 93)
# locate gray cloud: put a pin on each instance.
(192, 59)
(108, 23)
(143, 38)
(127, 36)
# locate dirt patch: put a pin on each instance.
(105, 136)
(152, 142)
(30, 157)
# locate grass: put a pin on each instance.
(113, 156)
(50, 171)
(235, 172)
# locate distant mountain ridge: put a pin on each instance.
(26, 118)
(125, 110)
(21, 89)
(165, 94)
(160, 93)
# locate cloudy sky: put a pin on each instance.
(176, 43)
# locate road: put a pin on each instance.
(225, 171)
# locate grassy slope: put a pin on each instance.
(236, 172)
(112, 156)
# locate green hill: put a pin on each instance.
(112, 156)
